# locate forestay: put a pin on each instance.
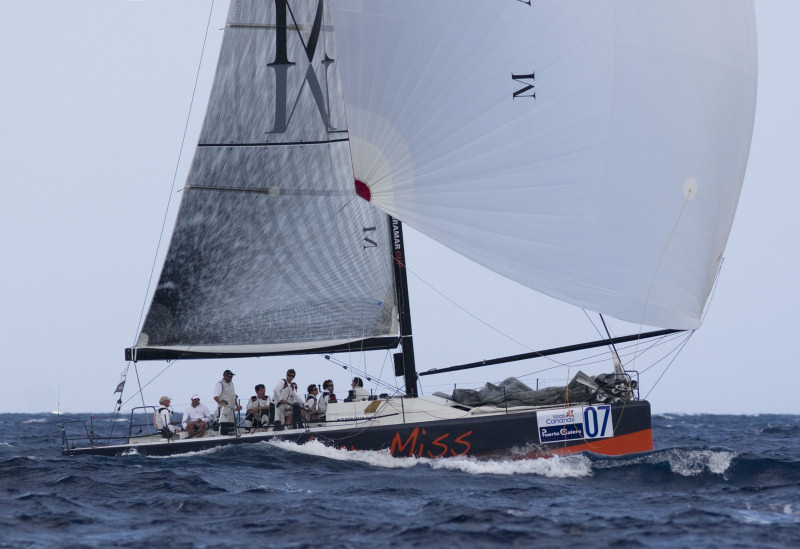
(593, 151)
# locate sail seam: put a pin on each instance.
(268, 144)
(274, 27)
(254, 26)
(272, 191)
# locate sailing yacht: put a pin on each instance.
(591, 151)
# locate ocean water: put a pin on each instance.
(712, 481)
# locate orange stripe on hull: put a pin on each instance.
(640, 441)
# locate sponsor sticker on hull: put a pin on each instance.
(576, 423)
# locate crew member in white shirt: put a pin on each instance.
(284, 398)
(358, 392)
(196, 418)
(225, 397)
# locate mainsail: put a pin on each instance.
(272, 250)
(592, 151)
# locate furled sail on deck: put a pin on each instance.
(591, 150)
(272, 251)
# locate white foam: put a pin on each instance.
(552, 467)
(689, 463)
(369, 457)
(555, 467)
(205, 452)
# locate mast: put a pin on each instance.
(404, 364)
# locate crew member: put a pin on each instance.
(196, 418)
(327, 396)
(282, 395)
(258, 409)
(163, 418)
(225, 397)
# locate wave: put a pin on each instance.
(701, 466)
(684, 462)
(689, 463)
(781, 430)
(554, 467)
(774, 514)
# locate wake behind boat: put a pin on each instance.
(593, 152)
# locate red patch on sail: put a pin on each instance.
(363, 191)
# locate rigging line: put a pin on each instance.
(663, 358)
(589, 318)
(138, 381)
(582, 363)
(596, 359)
(636, 354)
(175, 174)
(478, 319)
(713, 291)
(670, 364)
(617, 361)
(675, 350)
(613, 347)
(386, 356)
(141, 389)
(661, 260)
(364, 373)
(616, 354)
(650, 348)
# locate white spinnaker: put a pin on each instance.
(579, 193)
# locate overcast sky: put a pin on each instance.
(95, 96)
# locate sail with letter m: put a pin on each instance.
(272, 251)
(591, 150)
